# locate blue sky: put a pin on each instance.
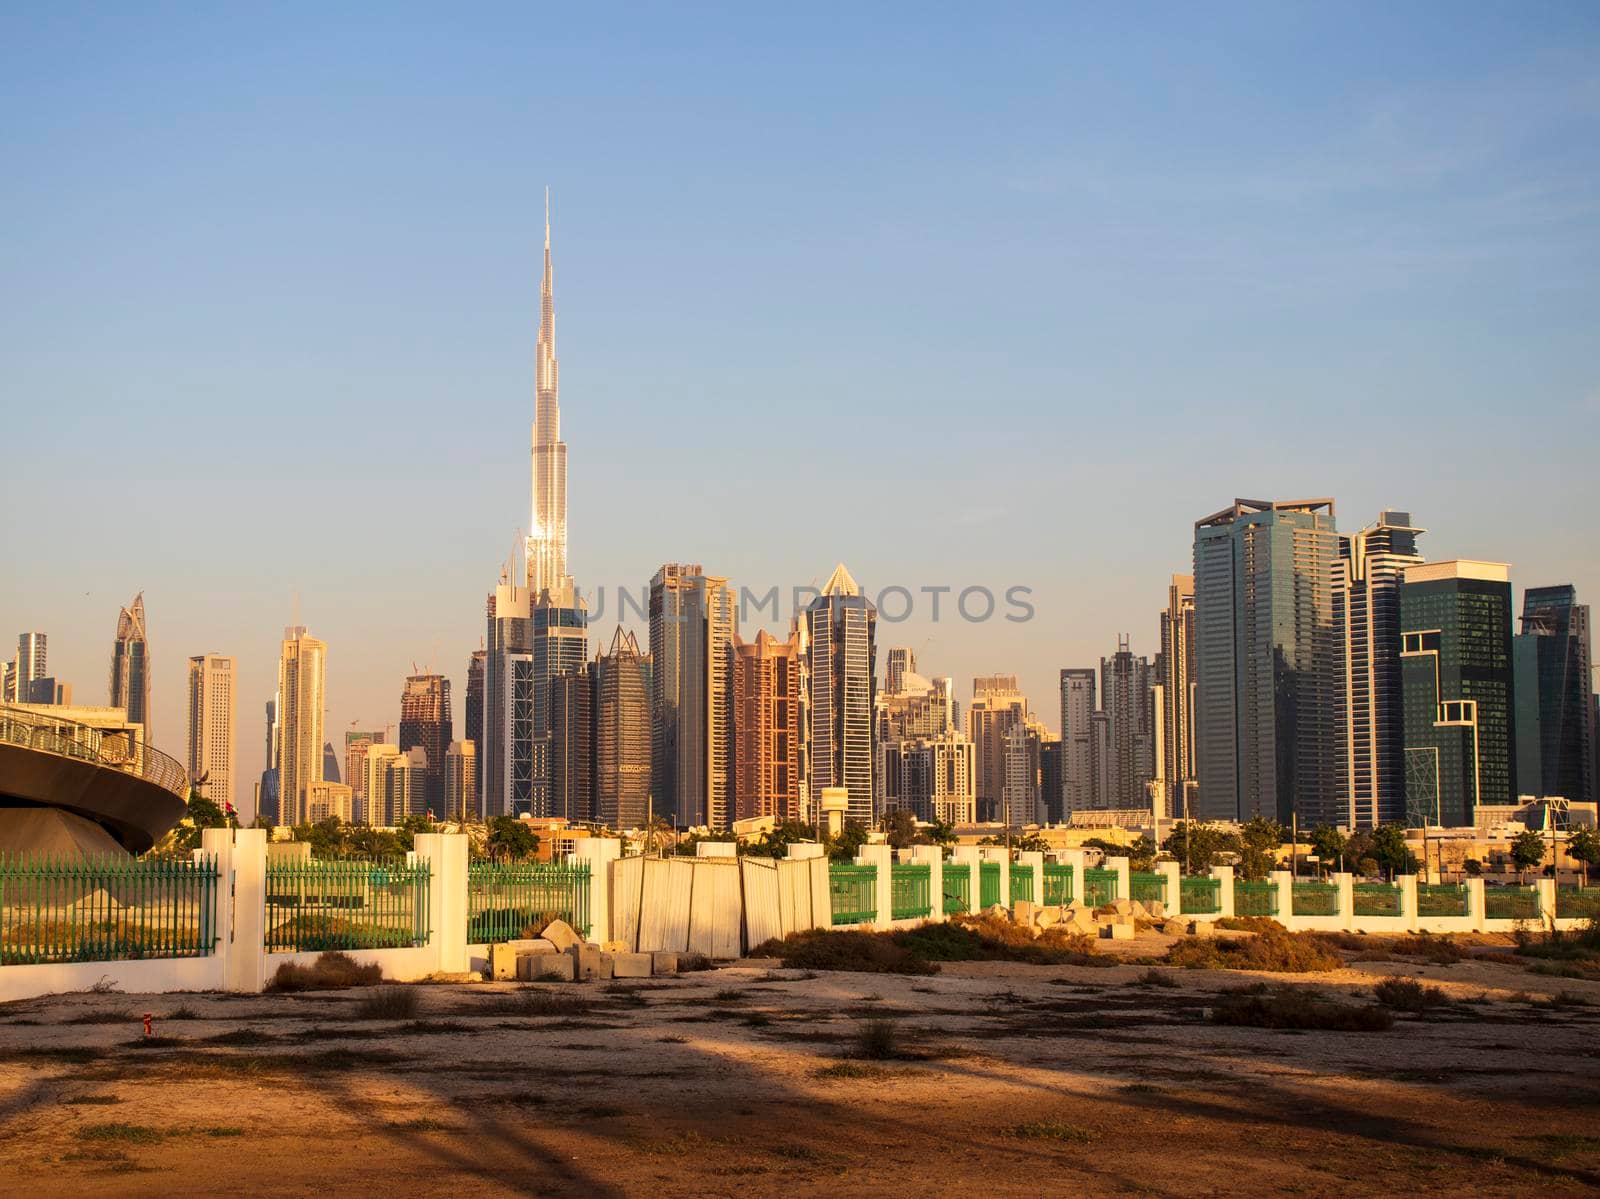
(962, 296)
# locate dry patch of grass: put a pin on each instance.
(1053, 1130)
(1408, 995)
(119, 1016)
(389, 1003)
(122, 1134)
(1286, 1009)
(984, 938)
(331, 971)
(1278, 952)
(531, 1002)
(858, 1071)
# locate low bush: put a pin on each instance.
(982, 938)
(1052, 1130)
(388, 1003)
(689, 963)
(1279, 952)
(1442, 951)
(1155, 978)
(1579, 948)
(1292, 1010)
(1408, 995)
(331, 971)
(820, 949)
(877, 1040)
(1250, 924)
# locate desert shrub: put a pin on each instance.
(877, 1040)
(1290, 1009)
(1408, 995)
(1250, 924)
(183, 1013)
(1583, 968)
(1579, 946)
(1155, 978)
(388, 1003)
(820, 949)
(329, 972)
(1442, 951)
(1052, 1130)
(1279, 952)
(533, 1002)
(688, 963)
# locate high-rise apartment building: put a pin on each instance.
(301, 665)
(474, 699)
(1050, 784)
(426, 724)
(693, 622)
(1555, 697)
(916, 709)
(460, 781)
(622, 734)
(269, 798)
(211, 727)
(33, 653)
(356, 744)
(1019, 790)
(130, 665)
(1458, 691)
(901, 661)
(1080, 789)
(1127, 700)
(391, 785)
(1373, 563)
(572, 744)
(1175, 767)
(1269, 715)
(935, 777)
(841, 647)
(997, 706)
(769, 703)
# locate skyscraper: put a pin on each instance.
(997, 705)
(269, 797)
(769, 727)
(301, 701)
(1555, 700)
(356, 745)
(425, 723)
(693, 621)
(547, 535)
(840, 635)
(902, 660)
(1175, 712)
(1019, 789)
(474, 704)
(130, 665)
(572, 744)
(391, 777)
(1268, 662)
(460, 781)
(1126, 699)
(32, 670)
(211, 726)
(330, 763)
(1079, 788)
(1373, 563)
(1458, 690)
(622, 734)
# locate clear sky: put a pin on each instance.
(961, 295)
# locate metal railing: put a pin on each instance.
(1099, 887)
(854, 892)
(1199, 896)
(1377, 899)
(1577, 901)
(988, 884)
(1254, 898)
(508, 902)
(317, 904)
(72, 739)
(909, 891)
(1511, 903)
(1443, 899)
(105, 909)
(1057, 883)
(1314, 899)
(1021, 883)
(957, 889)
(1147, 887)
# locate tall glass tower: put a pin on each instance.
(840, 639)
(1555, 705)
(130, 665)
(547, 534)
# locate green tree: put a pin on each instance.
(511, 840)
(1390, 851)
(1197, 845)
(900, 826)
(326, 837)
(1527, 851)
(1328, 843)
(851, 838)
(376, 844)
(1031, 843)
(775, 842)
(1259, 840)
(941, 832)
(1583, 846)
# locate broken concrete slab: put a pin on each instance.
(630, 965)
(664, 961)
(546, 967)
(561, 935)
(1117, 932)
(590, 962)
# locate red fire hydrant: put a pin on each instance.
(147, 1016)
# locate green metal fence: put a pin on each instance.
(1377, 899)
(314, 904)
(1254, 898)
(1314, 899)
(1147, 887)
(1057, 883)
(910, 888)
(1511, 903)
(957, 889)
(988, 884)
(506, 903)
(1442, 899)
(854, 890)
(1099, 887)
(55, 909)
(1199, 896)
(1577, 901)
(1021, 883)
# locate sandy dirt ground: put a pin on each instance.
(1019, 1080)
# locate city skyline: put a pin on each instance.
(702, 294)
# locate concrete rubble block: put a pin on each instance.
(1140, 912)
(630, 965)
(590, 962)
(1022, 911)
(664, 961)
(1176, 927)
(1158, 910)
(1075, 906)
(615, 947)
(561, 934)
(546, 967)
(502, 961)
(1203, 928)
(1124, 907)
(1045, 917)
(1117, 932)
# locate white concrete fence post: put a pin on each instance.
(1224, 877)
(969, 856)
(1347, 900)
(1124, 884)
(1283, 881)
(932, 857)
(1171, 872)
(1546, 888)
(1477, 907)
(1034, 860)
(1408, 901)
(598, 853)
(445, 855)
(217, 843)
(882, 857)
(1078, 860)
(247, 962)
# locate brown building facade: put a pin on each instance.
(769, 724)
